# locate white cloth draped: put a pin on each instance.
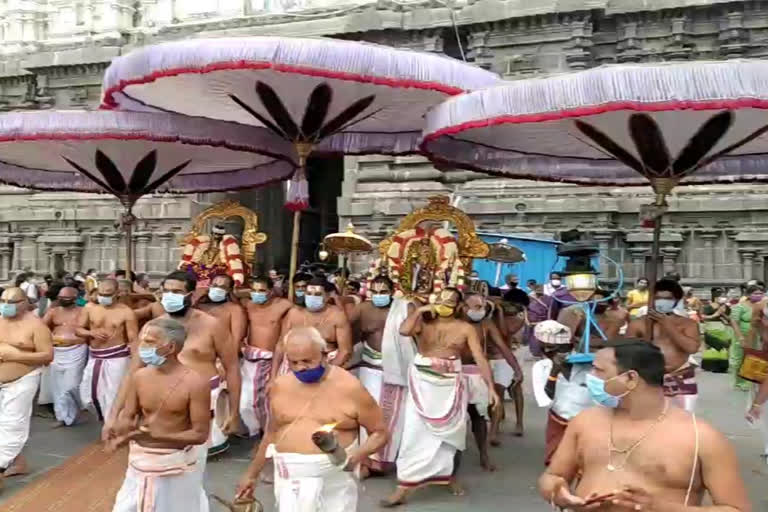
(435, 422)
(102, 378)
(65, 375)
(162, 480)
(397, 350)
(255, 371)
(17, 399)
(503, 373)
(311, 483)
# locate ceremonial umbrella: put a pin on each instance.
(658, 124)
(344, 243)
(129, 154)
(502, 252)
(326, 96)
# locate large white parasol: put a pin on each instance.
(661, 124)
(130, 154)
(325, 96)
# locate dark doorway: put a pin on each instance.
(325, 176)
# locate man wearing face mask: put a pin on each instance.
(315, 394)
(219, 304)
(573, 317)
(25, 347)
(678, 338)
(166, 420)
(265, 314)
(637, 298)
(207, 341)
(112, 329)
(370, 318)
(433, 441)
(329, 319)
(506, 374)
(554, 284)
(70, 355)
(300, 282)
(609, 449)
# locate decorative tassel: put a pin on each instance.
(297, 195)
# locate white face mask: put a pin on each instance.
(665, 306)
(556, 283)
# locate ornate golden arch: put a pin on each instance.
(439, 209)
(226, 210)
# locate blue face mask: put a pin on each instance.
(665, 306)
(150, 357)
(173, 302)
(217, 294)
(381, 300)
(105, 301)
(258, 297)
(300, 294)
(310, 375)
(596, 387)
(314, 302)
(8, 310)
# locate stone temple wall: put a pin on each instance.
(54, 52)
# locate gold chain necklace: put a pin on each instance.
(631, 448)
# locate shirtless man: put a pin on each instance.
(166, 418)
(300, 282)
(25, 346)
(610, 324)
(265, 315)
(430, 455)
(329, 319)
(112, 329)
(314, 394)
(370, 319)
(677, 337)
(70, 355)
(219, 304)
(506, 370)
(638, 453)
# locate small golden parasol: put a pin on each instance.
(502, 252)
(347, 242)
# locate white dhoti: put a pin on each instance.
(477, 389)
(162, 480)
(102, 378)
(65, 376)
(503, 373)
(255, 371)
(218, 442)
(17, 398)
(435, 422)
(391, 399)
(310, 483)
(45, 396)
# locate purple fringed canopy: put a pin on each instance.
(342, 97)
(699, 122)
(130, 154)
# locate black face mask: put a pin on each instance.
(67, 303)
(513, 284)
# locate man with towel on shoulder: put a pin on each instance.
(315, 394)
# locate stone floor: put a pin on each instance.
(512, 487)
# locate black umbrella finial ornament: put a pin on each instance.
(112, 181)
(314, 127)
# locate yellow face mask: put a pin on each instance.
(444, 311)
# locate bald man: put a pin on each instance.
(112, 329)
(70, 355)
(313, 394)
(25, 347)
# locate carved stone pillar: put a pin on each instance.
(166, 239)
(604, 239)
(17, 241)
(142, 251)
(638, 254)
(747, 262)
(98, 248)
(114, 242)
(75, 259)
(669, 254)
(707, 262)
